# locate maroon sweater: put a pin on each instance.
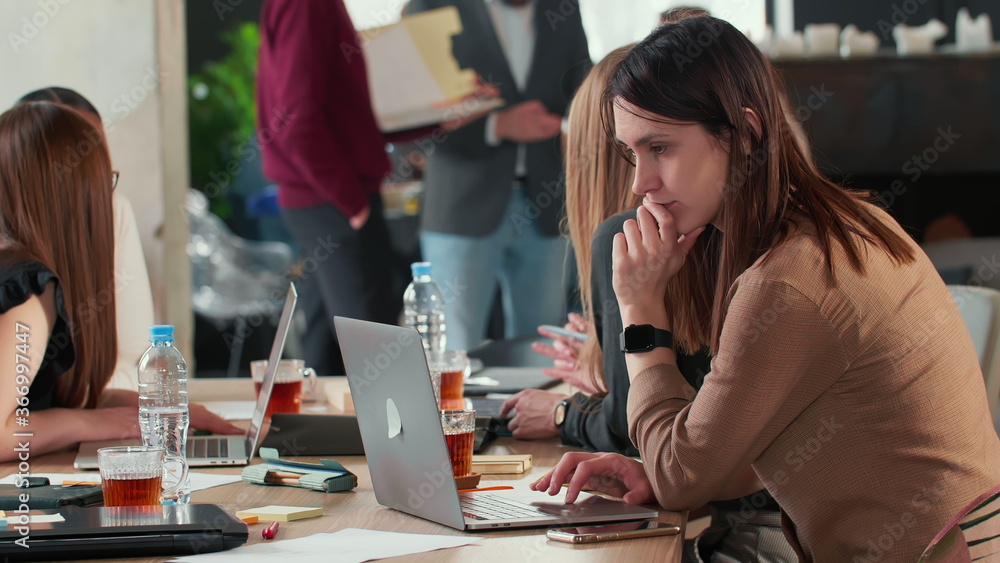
(318, 135)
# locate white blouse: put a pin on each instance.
(134, 299)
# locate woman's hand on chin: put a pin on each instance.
(647, 254)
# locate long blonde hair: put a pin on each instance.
(598, 185)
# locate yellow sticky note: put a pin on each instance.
(281, 513)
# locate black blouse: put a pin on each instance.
(19, 280)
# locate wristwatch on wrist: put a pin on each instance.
(559, 415)
(643, 338)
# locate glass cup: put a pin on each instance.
(133, 475)
(459, 433)
(451, 368)
(287, 394)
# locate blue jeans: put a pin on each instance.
(527, 264)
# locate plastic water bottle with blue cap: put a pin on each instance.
(163, 400)
(423, 309)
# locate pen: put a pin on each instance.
(269, 532)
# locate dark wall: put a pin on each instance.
(867, 14)
(206, 19)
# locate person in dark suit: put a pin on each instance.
(494, 195)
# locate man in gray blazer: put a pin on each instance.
(493, 190)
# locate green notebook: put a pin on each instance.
(328, 476)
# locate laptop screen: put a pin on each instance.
(253, 434)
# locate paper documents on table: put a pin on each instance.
(351, 545)
(231, 410)
(199, 481)
(413, 75)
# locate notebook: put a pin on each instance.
(407, 456)
(203, 451)
(103, 533)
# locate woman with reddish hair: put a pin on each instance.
(57, 291)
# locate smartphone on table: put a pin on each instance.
(613, 532)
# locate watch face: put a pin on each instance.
(560, 414)
(639, 337)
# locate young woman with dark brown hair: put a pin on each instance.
(57, 292)
(843, 377)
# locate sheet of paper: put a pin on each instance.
(351, 545)
(232, 410)
(415, 56)
(199, 481)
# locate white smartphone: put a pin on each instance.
(565, 332)
(613, 532)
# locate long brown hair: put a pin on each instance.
(704, 71)
(597, 182)
(56, 208)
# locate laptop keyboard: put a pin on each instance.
(491, 507)
(208, 448)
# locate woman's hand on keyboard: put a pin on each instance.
(612, 474)
(204, 419)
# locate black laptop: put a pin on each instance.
(99, 532)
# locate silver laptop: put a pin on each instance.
(203, 451)
(407, 455)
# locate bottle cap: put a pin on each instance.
(161, 333)
(420, 269)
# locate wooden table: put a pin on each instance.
(358, 509)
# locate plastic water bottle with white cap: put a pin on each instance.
(163, 400)
(423, 309)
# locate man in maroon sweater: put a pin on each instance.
(323, 149)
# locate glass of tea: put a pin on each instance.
(452, 367)
(459, 433)
(133, 475)
(289, 385)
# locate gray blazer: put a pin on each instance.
(468, 183)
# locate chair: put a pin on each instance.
(980, 309)
(980, 254)
(233, 278)
(972, 535)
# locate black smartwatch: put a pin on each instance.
(643, 338)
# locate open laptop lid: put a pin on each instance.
(87, 456)
(99, 532)
(404, 443)
(267, 384)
